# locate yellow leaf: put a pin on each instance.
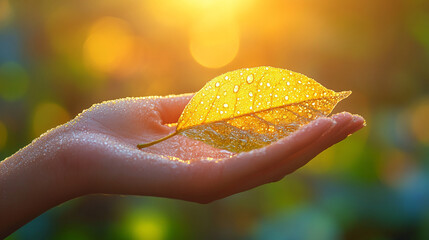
(253, 107)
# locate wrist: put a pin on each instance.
(34, 180)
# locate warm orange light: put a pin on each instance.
(214, 41)
(109, 43)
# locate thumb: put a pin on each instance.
(171, 107)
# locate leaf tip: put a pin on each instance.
(344, 94)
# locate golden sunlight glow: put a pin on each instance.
(214, 41)
(48, 115)
(109, 43)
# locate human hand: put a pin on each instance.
(103, 146)
(96, 153)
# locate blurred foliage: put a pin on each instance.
(59, 57)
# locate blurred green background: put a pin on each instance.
(60, 57)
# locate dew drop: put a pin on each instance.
(275, 95)
(306, 95)
(251, 94)
(299, 81)
(225, 105)
(217, 84)
(226, 77)
(221, 112)
(250, 78)
(236, 88)
(201, 102)
(286, 98)
(217, 96)
(288, 83)
(268, 84)
(241, 73)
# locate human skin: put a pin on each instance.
(96, 153)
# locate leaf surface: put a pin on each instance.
(250, 108)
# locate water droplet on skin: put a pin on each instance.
(251, 94)
(225, 105)
(226, 77)
(236, 88)
(250, 78)
(217, 84)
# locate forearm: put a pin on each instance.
(32, 181)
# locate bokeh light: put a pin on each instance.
(146, 224)
(109, 45)
(214, 42)
(48, 115)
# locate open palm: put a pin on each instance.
(102, 146)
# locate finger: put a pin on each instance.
(246, 164)
(171, 107)
(346, 124)
(290, 162)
